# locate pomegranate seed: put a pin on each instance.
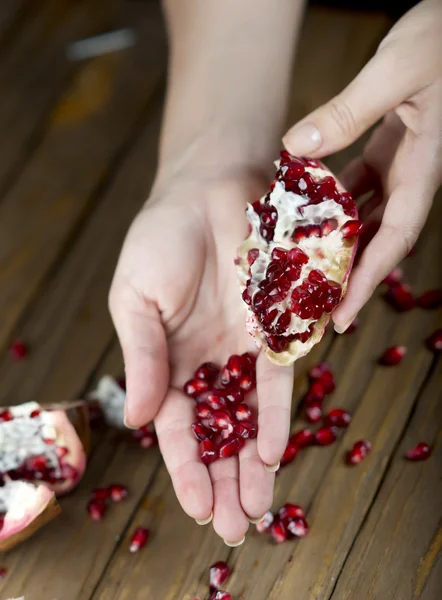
(278, 531)
(61, 451)
(3, 571)
(352, 228)
(420, 452)
(246, 430)
(396, 276)
(316, 392)
(328, 226)
(303, 438)
(194, 387)
(353, 326)
(139, 539)
(434, 342)
(298, 527)
(318, 370)
(327, 381)
(431, 299)
(230, 446)
(247, 382)
(2, 520)
(225, 376)
(149, 439)
(243, 412)
(96, 509)
(264, 524)
(18, 350)
(234, 395)
(290, 453)
(220, 595)
(234, 365)
(117, 492)
(313, 412)
(203, 411)
(297, 256)
(35, 413)
(100, 494)
(252, 255)
(338, 417)
(249, 360)
(221, 419)
(279, 254)
(6, 415)
(325, 436)
(207, 371)
(359, 451)
(208, 452)
(201, 432)
(218, 573)
(290, 511)
(36, 463)
(215, 399)
(393, 356)
(277, 343)
(400, 297)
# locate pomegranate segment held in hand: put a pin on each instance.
(294, 266)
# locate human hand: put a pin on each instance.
(402, 162)
(175, 303)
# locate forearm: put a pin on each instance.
(229, 73)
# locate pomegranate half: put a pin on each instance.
(293, 267)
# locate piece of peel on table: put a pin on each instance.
(294, 266)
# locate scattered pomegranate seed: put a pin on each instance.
(100, 494)
(434, 342)
(290, 453)
(208, 452)
(400, 297)
(420, 452)
(298, 527)
(218, 573)
(338, 417)
(207, 371)
(393, 356)
(325, 436)
(117, 492)
(303, 438)
(3, 571)
(220, 595)
(18, 349)
(431, 299)
(278, 531)
(359, 451)
(395, 277)
(96, 509)
(327, 381)
(139, 539)
(318, 370)
(290, 511)
(316, 391)
(265, 523)
(313, 412)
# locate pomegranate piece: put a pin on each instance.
(117, 492)
(230, 446)
(290, 453)
(291, 511)
(421, 451)
(265, 523)
(431, 299)
(207, 371)
(100, 494)
(393, 356)
(278, 531)
(352, 228)
(338, 417)
(201, 432)
(138, 539)
(208, 452)
(434, 342)
(325, 436)
(6, 415)
(18, 350)
(395, 277)
(303, 438)
(218, 574)
(359, 451)
(297, 527)
(220, 595)
(400, 297)
(96, 509)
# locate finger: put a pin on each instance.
(274, 386)
(143, 342)
(229, 520)
(190, 477)
(255, 482)
(348, 115)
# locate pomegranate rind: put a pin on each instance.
(19, 527)
(339, 272)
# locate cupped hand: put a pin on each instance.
(402, 163)
(176, 303)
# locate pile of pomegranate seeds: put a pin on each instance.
(420, 452)
(393, 356)
(288, 523)
(434, 342)
(101, 497)
(18, 349)
(359, 451)
(223, 420)
(139, 539)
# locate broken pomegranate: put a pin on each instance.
(420, 452)
(431, 299)
(434, 342)
(393, 356)
(24, 508)
(359, 451)
(294, 266)
(139, 539)
(218, 574)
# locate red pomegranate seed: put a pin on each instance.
(218, 573)
(100, 494)
(278, 531)
(327, 381)
(243, 412)
(18, 349)
(318, 370)
(6, 415)
(303, 438)
(279, 254)
(3, 571)
(234, 365)
(61, 451)
(194, 387)
(221, 419)
(264, 524)
(220, 595)
(298, 527)
(325, 436)
(208, 452)
(434, 342)
(393, 356)
(352, 228)
(338, 417)
(35, 413)
(420, 452)
(234, 395)
(396, 276)
(246, 430)
(230, 446)
(290, 511)
(201, 432)
(249, 360)
(277, 343)
(207, 371)
(431, 299)
(353, 326)
(297, 256)
(359, 451)
(400, 297)
(139, 539)
(117, 492)
(252, 255)
(96, 509)
(203, 411)
(313, 412)
(2, 520)
(247, 382)
(316, 391)
(290, 453)
(216, 399)
(225, 376)
(36, 463)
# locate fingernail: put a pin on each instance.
(126, 420)
(342, 328)
(204, 521)
(303, 139)
(272, 468)
(235, 544)
(255, 521)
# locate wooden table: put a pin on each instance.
(77, 155)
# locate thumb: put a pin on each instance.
(380, 87)
(143, 342)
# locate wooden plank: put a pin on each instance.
(398, 551)
(91, 126)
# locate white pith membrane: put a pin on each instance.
(24, 437)
(21, 503)
(330, 254)
(111, 397)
